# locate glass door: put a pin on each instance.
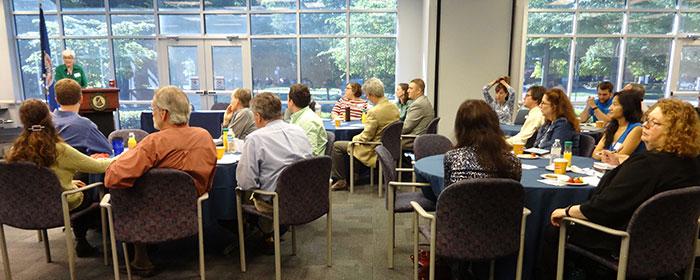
(685, 75)
(207, 70)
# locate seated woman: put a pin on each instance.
(505, 98)
(671, 133)
(351, 99)
(238, 116)
(624, 131)
(402, 100)
(481, 150)
(560, 120)
(40, 143)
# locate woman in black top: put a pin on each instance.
(671, 133)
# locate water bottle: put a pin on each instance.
(555, 151)
(567, 152)
(231, 146)
(317, 108)
(132, 141)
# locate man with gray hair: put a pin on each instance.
(381, 115)
(176, 145)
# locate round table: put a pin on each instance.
(346, 130)
(540, 198)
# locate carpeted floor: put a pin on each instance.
(359, 249)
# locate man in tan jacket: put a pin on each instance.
(419, 113)
(381, 115)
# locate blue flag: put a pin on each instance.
(46, 65)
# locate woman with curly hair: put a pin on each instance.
(352, 100)
(671, 133)
(40, 144)
(560, 119)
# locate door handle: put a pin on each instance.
(211, 92)
(200, 92)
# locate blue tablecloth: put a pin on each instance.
(346, 130)
(221, 204)
(209, 120)
(540, 198)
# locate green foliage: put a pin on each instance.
(129, 119)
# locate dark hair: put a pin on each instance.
(356, 89)
(268, 105)
(631, 111)
(299, 93)
(477, 125)
(404, 97)
(37, 142)
(536, 93)
(68, 92)
(562, 106)
(606, 86)
(501, 87)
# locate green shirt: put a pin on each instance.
(68, 162)
(314, 129)
(403, 108)
(78, 75)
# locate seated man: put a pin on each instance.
(419, 113)
(79, 132)
(298, 101)
(176, 146)
(534, 119)
(639, 89)
(598, 108)
(381, 115)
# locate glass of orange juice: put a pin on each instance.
(220, 152)
(560, 166)
(518, 148)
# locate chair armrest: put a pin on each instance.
(526, 212)
(409, 184)
(402, 169)
(265, 192)
(105, 202)
(421, 211)
(203, 197)
(409, 136)
(90, 186)
(364, 143)
(596, 227)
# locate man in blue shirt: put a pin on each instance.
(79, 132)
(598, 108)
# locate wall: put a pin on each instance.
(474, 49)
(9, 76)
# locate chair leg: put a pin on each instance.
(371, 177)
(380, 185)
(113, 242)
(624, 253)
(105, 248)
(276, 224)
(400, 166)
(561, 251)
(241, 237)
(47, 248)
(329, 235)
(492, 269)
(200, 237)
(415, 245)
(127, 263)
(390, 224)
(691, 267)
(38, 236)
(432, 249)
(352, 171)
(294, 240)
(5, 258)
(70, 249)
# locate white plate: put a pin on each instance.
(576, 184)
(551, 168)
(527, 156)
(555, 177)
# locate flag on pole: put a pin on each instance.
(46, 65)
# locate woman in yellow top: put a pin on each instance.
(40, 143)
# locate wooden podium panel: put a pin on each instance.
(98, 105)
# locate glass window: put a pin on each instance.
(598, 4)
(94, 56)
(84, 25)
(82, 5)
(547, 62)
(178, 5)
(692, 4)
(599, 23)
(551, 4)
(226, 24)
(653, 4)
(323, 4)
(373, 23)
(33, 5)
(596, 60)
(28, 25)
(272, 4)
(133, 25)
(323, 23)
(130, 4)
(29, 58)
(689, 79)
(136, 68)
(650, 23)
(130, 115)
(374, 57)
(372, 4)
(323, 67)
(549, 23)
(179, 24)
(690, 23)
(225, 5)
(183, 67)
(227, 63)
(274, 64)
(273, 24)
(649, 64)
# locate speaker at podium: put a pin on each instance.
(99, 105)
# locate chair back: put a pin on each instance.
(391, 138)
(124, 134)
(433, 126)
(302, 188)
(521, 116)
(662, 231)
(387, 162)
(329, 143)
(586, 145)
(479, 219)
(161, 206)
(219, 106)
(30, 196)
(431, 144)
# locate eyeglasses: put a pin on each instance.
(650, 123)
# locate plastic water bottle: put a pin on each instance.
(317, 108)
(555, 151)
(131, 143)
(231, 145)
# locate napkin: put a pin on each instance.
(528, 167)
(552, 182)
(229, 159)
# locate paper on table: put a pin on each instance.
(591, 180)
(229, 159)
(528, 167)
(358, 125)
(552, 182)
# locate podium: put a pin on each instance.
(98, 105)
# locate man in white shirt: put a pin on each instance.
(534, 119)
